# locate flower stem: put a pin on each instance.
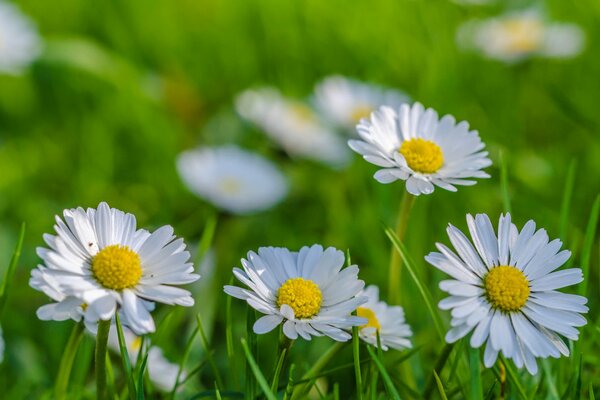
(66, 362)
(299, 391)
(395, 261)
(356, 357)
(101, 345)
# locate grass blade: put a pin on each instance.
(588, 243)
(356, 358)
(209, 355)
(250, 382)
(141, 373)
(125, 359)
(260, 378)
(278, 369)
(10, 272)
(186, 353)
(289, 390)
(66, 362)
(440, 387)
(513, 379)
(387, 381)
(421, 286)
(474, 365)
(565, 207)
(504, 182)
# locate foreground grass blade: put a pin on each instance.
(439, 366)
(101, 356)
(209, 355)
(588, 243)
(565, 207)
(125, 359)
(475, 369)
(513, 379)
(387, 381)
(10, 272)
(250, 381)
(440, 387)
(66, 362)
(278, 369)
(141, 373)
(258, 375)
(356, 358)
(311, 375)
(421, 286)
(186, 353)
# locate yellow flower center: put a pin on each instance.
(525, 35)
(422, 155)
(117, 267)
(136, 343)
(506, 288)
(367, 313)
(230, 186)
(303, 113)
(360, 112)
(302, 295)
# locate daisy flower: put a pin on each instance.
(232, 179)
(100, 258)
(308, 289)
(515, 36)
(385, 319)
(346, 101)
(504, 290)
(19, 40)
(161, 371)
(416, 146)
(292, 125)
(63, 307)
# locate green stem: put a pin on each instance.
(439, 365)
(101, 346)
(317, 367)
(283, 351)
(356, 356)
(66, 362)
(395, 261)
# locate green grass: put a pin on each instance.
(123, 87)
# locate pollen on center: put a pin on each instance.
(372, 321)
(506, 288)
(422, 155)
(302, 295)
(117, 267)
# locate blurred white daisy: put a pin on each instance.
(307, 289)
(232, 179)
(346, 101)
(519, 35)
(161, 371)
(416, 146)
(505, 290)
(292, 125)
(389, 320)
(20, 43)
(99, 257)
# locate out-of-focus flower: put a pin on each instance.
(416, 146)
(161, 371)
(504, 290)
(20, 43)
(232, 179)
(307, 289)
(100, 258)
(292, 125)
(346, 101)
(388, 320)
(515, 36)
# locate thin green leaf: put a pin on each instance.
(186, 353)
(250, 381)
(504, 182)
(387, 381)
(588, 242)
(229, 394)
(440, 386)
(356, 358)
(278, 368)
(289, 390)
(217, 392)
(421, 286)
(209, 355)
(66, 362)
(10, 272)
(592, 397)
(207, 238)
(549, 378)
(125, 359)
(260, 378)
(565, 207)
(513, 378)
(439, 366)
(476, 387)
(141, 374)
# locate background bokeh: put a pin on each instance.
(122, 87)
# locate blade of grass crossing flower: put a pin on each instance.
(253, 346)
(475, 369)
(258, 375)
(565, 207)
(125, 358)
(10, 272)
(140, 379)
(588, 243)
(421, 286)
(440, 387)
(356, 358)
(209, 355)
(66, 361)
(387, 381)
(101, 356)
(504, 182)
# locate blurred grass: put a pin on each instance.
(124, 86)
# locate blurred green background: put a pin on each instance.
(122, 87)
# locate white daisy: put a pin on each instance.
(388, 320)
(345, 101)
(506, 291)
(99, 257)
(513, 37)
(415, 145)
(20, 43)
(307, 289)
(64, 307)
(292, 125)
(232, 179)
(161, 371)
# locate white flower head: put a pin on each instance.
(308, 289)
(388, 320)
(103, 260)
(346, 101)
(161, 371)
(63, 307)
(232, 179)
(516, 36)
(20, 43)
(416, 146)
(292, 125)
(505, 291)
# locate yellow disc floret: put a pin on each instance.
(360, 112)
(302, 295)
(422, 155)
(117, 267)
(367, 313)
(506, 288)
